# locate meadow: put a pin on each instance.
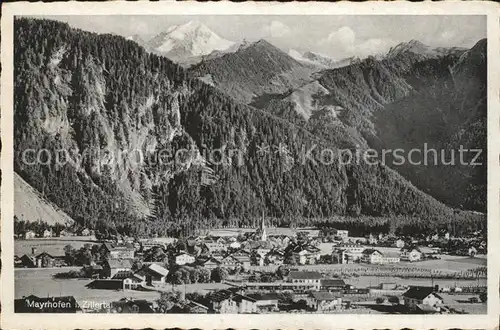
(40, 282)
(53, 246)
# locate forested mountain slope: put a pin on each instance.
(254, 70)
(414, 96)
(100, 96)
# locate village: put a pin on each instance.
(268, 270)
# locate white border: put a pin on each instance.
(305, 321)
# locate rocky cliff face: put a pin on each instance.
(101, 122)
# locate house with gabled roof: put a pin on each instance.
(324, 300)
(332, 284)
(27, 261)
(111, 250)
(229, 261)
(112, 266)
(276, 257)
(410, 254)
(214, 247)
(348, 253)
(305, 254)
(260, 247)
(242, 260)
(421, 295)
(65, 233)
(133, 281)
(209, 263)
(228, 301)
(44, 260)
(190, 307)
(372, 256)
(242, 252)
(310, 278)
(266, 301)
(126, 305)
(153, 273)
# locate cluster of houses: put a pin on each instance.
(117, 269)
(349, 253)
(38, 260)
(256, 249)
(49, 233)
(122, 265)
(311, 291)
(235, 301)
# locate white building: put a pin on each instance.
(306, 257)
(133, 282)
(324, 301)
(342, 234)
(184, 258)
(421, 297)
(235, 245)
(349, 252)
(399, 243)
(215, 246)
(372, 256)
(410, 255)
(311, 279)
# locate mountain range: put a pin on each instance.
(97, 96)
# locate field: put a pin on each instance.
(445, 264)
(372, 281)
(39, 282)
(195, 287)
(460, 303)
(53, 246)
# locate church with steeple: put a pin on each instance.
(261, 232)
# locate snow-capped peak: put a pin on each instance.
(190, 39)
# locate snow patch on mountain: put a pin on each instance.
(188, 40)
(299, 57)
(318, 60)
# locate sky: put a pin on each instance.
(334, 36)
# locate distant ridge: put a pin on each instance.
(424, 51)
(255, 70)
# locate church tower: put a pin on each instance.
(263, 233)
